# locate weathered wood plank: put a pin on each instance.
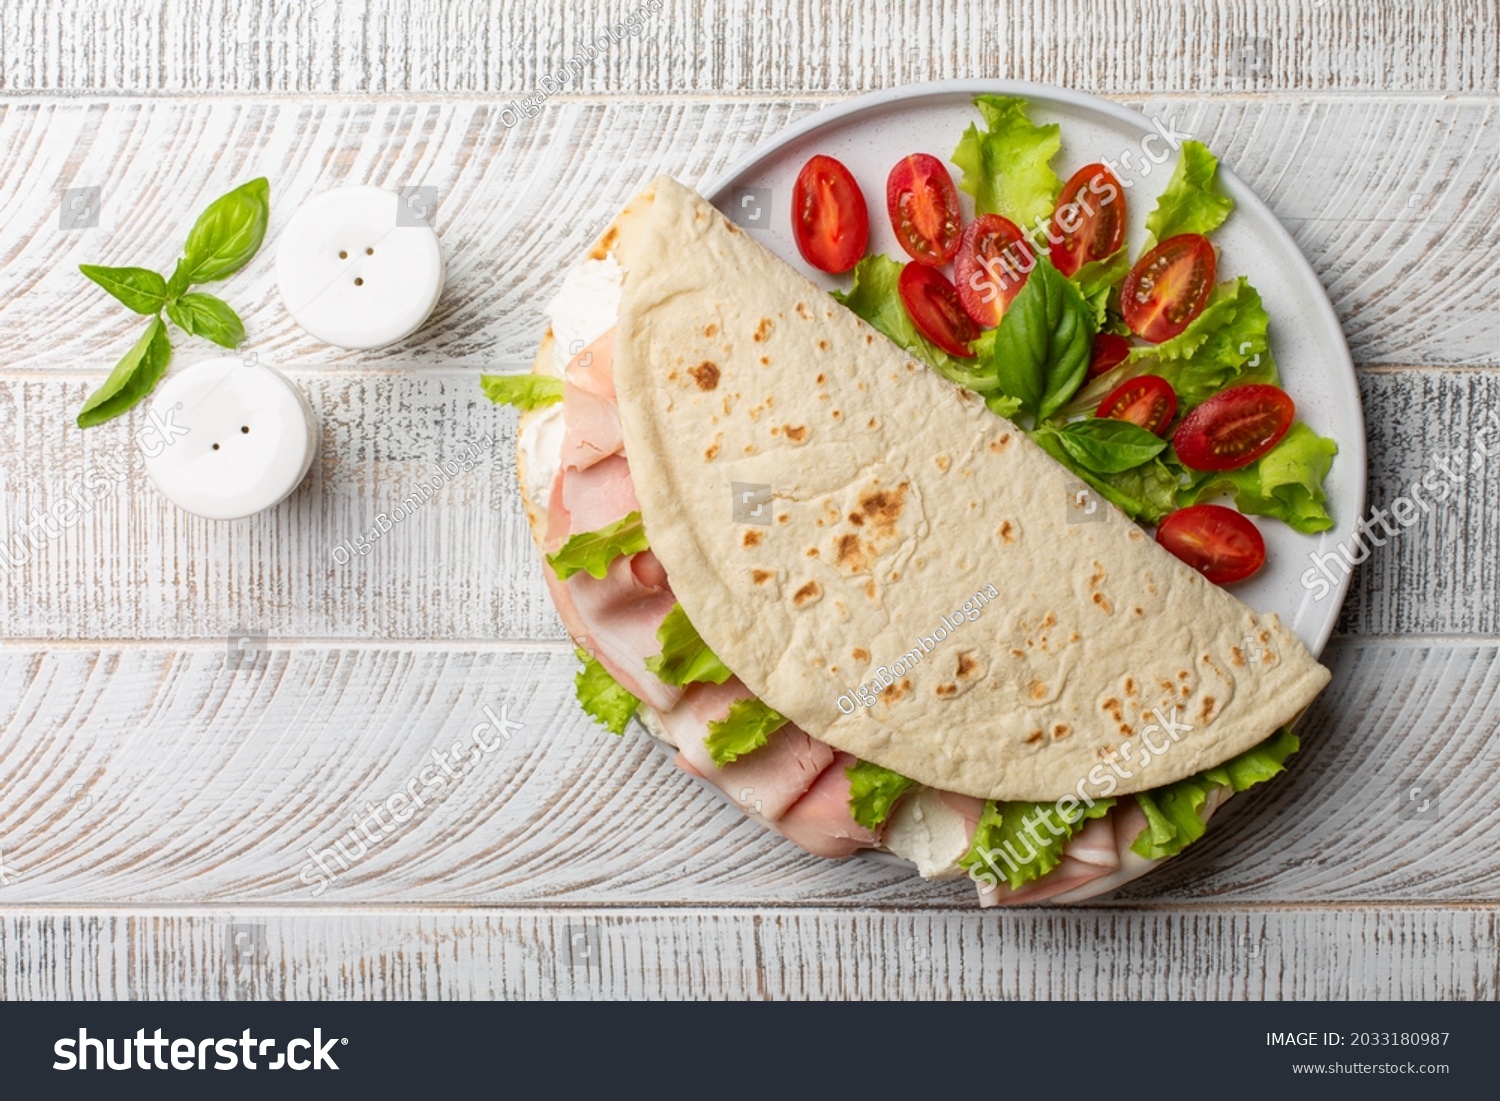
(490, 953)
(1374, 191)
(193, 777)
(741, 46)
(463, 566)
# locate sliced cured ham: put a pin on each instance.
(593, 429)
(820, 821)
(597, 497)
(617, 617)
(766, 782)
(593, 368)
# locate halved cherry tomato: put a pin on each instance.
(1234, 427)
(923, 205)
(990, 269)
(829, 218)
(1218, 542)
(1168, 287)
(1110, 350)
(934, 306)
(1093, 204)
(1146, 401)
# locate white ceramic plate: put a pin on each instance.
(872, 133)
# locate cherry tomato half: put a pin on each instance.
(1234, 427)
(829, 218)
(1168, 287)
(1146, 401)
(923, 205)
(1218, 542)
(990, 269)
(1110, 350)
(935, 308)
(1092, 203)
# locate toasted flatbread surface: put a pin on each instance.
(898, 570)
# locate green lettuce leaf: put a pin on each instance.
(1020, 842)
(876, 298)
(593, 551)
(873, 792)
(744, 730)
(1098, 281)
(1286, 483)
(602, 696)
(1227, 343)
(1192, 201)
(1006, 166)
(1172, 813)
(685, 658)
(525, 392)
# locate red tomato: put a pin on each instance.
(923, 205)
(1168, 287)
(1216, 541)
(934, 306)
(1110, 351)
(1147, 401)
(1093, 204)
(1234, 427)
(990, 269)
(829, 218)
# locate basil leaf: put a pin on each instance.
(1109, 446)
(209, 317)
(228, 233)
(1042, 348)
(142, 290)
(132, 378)
(179, 280)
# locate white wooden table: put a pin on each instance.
(158, 794)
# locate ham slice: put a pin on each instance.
(593, 428)
(593, 368)
(764, 783)
(597, 497)
(820, 821)
(1088, 854)
(617, 617)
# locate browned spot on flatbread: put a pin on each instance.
(1104, 604)
(883, 506)
(1038, 690)
(711, 452)
(998, 445)
(1135, 535)
(1236, 656)
(894, 693)
(710, 329)
(869, 339)
(1007, 532)
(765, 361)
(1061, 731)
(857, 519)
(752, 538)
(1114, 708)
(870, 590)
(822, 345)
(860, 654)
(812, 552)
(946, 690)
(943, 463)
(850, 552)
(760, 577)
(803, 311)
(1206, 712)
(796, 432)
(763, 330)
(1130, 688)
(1034, 737)
(604, 244)
(807, 594)
(968, 665)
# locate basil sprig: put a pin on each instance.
(223, 240)
(1045, 340)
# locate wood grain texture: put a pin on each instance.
(463, 566)
(245, 953)
(1374, 191)
(193, 777)
(728, 47)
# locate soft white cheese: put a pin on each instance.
(929, 833)
(586, 307)
(540, 446)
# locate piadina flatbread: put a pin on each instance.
(893, 567)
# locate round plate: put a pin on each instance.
(872, 133)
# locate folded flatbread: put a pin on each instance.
(910, 528)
